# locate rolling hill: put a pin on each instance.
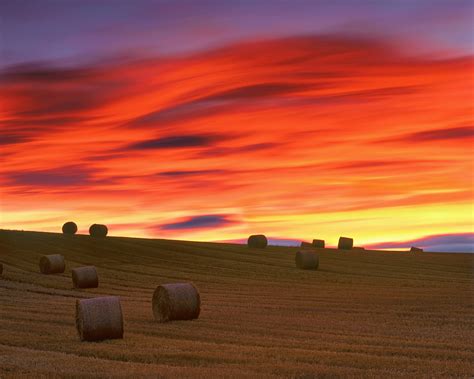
(371, 314)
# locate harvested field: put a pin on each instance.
(376, 314)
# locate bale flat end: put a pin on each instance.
(69, 227)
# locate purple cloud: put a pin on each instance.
(41, 72)
(283, 242)
(54, 92)
(222, 101)
(221, 151)
(461, 243)
(191, 140)
(262, 90)
(461, 132)
(185, 173)
(177, 113)
(12, 138)
(271, 241)
(443, 134)
(199, 222)
(57, 177)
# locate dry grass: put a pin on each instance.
(371, 314)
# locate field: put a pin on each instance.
(370, 314)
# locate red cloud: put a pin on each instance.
(299, 123)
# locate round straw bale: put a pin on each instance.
(345, 243)
(52, 264)
(85, 277)
(70, 228)
(307, 260)
(306, 244)
(414, 249)
(98, 230)
(318, 243)
(99, 318)
(258, 241)
(176, 301)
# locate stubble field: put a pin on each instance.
(362, 314)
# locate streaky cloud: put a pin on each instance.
(173, 142)
(66, 176)
(456, 242)
(186, 173)
(198, 222)
(435, 135)
(13, 138)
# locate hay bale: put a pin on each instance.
(318, 244)
(70, 228)
(306, 244)
(52, 264)
(99, 318)
(345, 243)
(258, 241)
(176, 301)
(85, 277)
(307, 260)
(414, 249)
(358, 248)
(98, 230)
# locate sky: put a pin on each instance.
(213, 120)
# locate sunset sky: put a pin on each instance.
(213, 120)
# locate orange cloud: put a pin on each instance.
(276, 134)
